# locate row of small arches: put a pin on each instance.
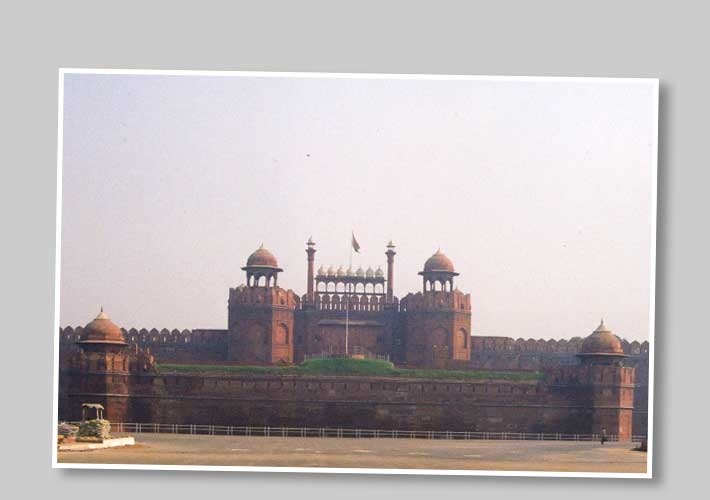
(353, 303)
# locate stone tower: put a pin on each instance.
(101, 371)
(609, 385)
(260, 315)
(437, 320)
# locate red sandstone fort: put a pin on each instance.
(587, 384)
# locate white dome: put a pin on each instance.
(360, 272)
(341, 271)
(331, 271)
(369, 273)
(379, 273)
(321, 271)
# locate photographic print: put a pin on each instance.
(359, 273)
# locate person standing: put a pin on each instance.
(604, 438)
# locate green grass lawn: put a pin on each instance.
(349, 366)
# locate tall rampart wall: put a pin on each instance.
(347, 402)
(507, 353)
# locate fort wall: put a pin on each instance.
(506, 353)
(351, 402)
(487, 353)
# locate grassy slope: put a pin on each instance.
(346, 366)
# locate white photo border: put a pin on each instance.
(367, 76)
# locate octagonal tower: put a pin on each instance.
(437, 320)
(260, 314)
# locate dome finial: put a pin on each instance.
(602, 342)
(602, 327)
(261, 245)
(102, 314)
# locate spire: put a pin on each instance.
(602, 327)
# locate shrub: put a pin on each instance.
(99, 429)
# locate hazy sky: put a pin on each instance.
(539, 191)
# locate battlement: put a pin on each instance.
(254, 297)
(436, 300)
(503, 345)
(153, 337)
(178, 346)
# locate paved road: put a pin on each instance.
(556, 456)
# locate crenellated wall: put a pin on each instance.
(198, 346)
(435, 300)
(488, 353)
(507, 345)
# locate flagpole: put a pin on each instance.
(347, 299)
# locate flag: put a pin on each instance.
(356, 245)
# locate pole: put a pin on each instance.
(347, 299)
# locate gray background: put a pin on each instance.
(629, 39)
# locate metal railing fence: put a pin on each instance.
(326, 432)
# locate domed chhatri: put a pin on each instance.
(102, 331)
(262, 258)
(262, 268)
(438, 273)
(602, 342)
(438, 263)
